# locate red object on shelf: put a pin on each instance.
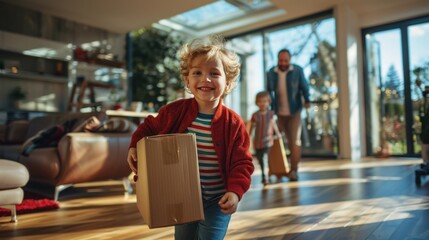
(80, 55)
(117, 106)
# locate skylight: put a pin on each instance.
(207, 15)
(219, 13)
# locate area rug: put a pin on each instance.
(32, 203)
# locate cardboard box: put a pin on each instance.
(168, 186)
(277, 161)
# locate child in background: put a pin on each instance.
(209, 72)
(265, 127)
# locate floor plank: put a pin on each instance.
(370, 199)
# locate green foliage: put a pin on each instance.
(393, 83)
(155, 66)
(422, 73)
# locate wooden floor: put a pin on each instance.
(334, 199)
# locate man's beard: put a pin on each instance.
(283, 68)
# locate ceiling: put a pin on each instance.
(127, 15)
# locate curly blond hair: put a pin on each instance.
(212, 47)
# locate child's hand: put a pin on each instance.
(132, 159)
(228, 203)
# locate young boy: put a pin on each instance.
(265, 127)
(209, 72)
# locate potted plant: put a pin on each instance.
(156, 75)
(16, 96)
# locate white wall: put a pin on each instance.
(404, 9)
(350, 126)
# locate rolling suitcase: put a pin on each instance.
(277, 161)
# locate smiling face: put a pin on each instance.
(263, 103)
(283, 61)
(207, 82)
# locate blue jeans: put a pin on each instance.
(212, 228)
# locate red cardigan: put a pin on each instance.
(230, 138)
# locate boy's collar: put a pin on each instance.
(218, 112)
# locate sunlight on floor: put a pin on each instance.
(310, 183)
(343, 164)
(296, 219)
(333, 165)
(329, 165)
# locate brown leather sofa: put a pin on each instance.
(12, 136)
(79, 156)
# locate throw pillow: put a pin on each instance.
(114, 125)
(48, 137)
(89, 125)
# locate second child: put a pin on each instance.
(263, 123)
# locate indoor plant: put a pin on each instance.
(156, 74)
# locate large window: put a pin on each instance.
(387, 88)
(418, 38)
(313, 47)
(396, 72)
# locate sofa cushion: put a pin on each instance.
(39, 123)
(10, 152)
(48, 137)
(82, 117)
(88, 125)
(111, 125)
(3, 129)
(115, 125)
(44, 163)
(11, 196)
(16, 131)
(12, 174)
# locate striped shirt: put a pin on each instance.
(212, 184)
(264, 129)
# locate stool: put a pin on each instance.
(13, 176)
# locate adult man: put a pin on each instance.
(289, 89)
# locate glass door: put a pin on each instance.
(386, 87)
(312, 43)
(395, 60)
(313, 47)
(418, 38)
